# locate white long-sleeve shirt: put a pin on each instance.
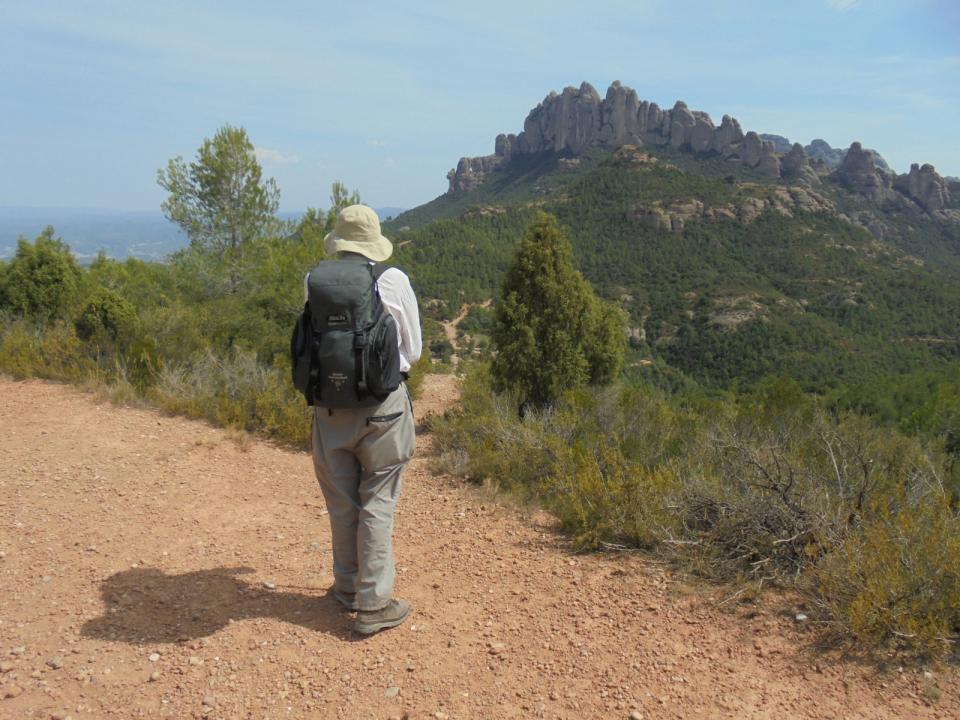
(399, 300)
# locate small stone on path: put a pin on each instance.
(269, 585)
(153, 657)
(391, 692)
(13, 691)
(636, 715)
(6, 667)
(55, 663)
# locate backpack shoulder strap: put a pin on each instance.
(378, 269)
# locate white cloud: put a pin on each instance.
(842, 5)
(267, 155)
(376, 143)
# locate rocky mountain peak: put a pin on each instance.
(576, 119)
(795, 167)
(927, 188)
(859, 172)
(831, 157)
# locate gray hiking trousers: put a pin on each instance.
(359, 455)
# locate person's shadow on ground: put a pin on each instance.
(145, 605)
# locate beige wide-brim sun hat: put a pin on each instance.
(358, 231)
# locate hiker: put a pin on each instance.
(359, 453)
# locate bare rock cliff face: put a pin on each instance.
(926, 188)
(471, 172)
(795, 167)
(859, 173)
(576, 119)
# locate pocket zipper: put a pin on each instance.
(384, 418)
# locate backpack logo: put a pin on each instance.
(338, 379)
(339, 319)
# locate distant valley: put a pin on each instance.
(146, 235)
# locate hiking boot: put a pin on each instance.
(348, 600)
(371, 621)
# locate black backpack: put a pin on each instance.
(344, 351)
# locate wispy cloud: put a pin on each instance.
(268, 155)
(842, 5)
(376, 143)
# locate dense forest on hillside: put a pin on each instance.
(724, 301)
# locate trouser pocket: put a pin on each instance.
(389, 437)
(384, 418)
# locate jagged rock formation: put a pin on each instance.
(832, 157)
(576, 119)
(820, 149)
(860, 174)
(795, 167)
(781, 144)
(471, 172)
(926, 188)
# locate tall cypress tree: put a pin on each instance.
(550, 331)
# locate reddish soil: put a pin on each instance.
(152, 566)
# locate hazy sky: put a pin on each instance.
(96, 96)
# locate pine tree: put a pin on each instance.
(221, 200)
(550, 331)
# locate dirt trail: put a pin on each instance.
(450, 328)
(134, 545)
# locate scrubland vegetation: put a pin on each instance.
(158, 333)
(770, 488)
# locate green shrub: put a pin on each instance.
(106, 318)
(602, 499)
(419, 370)
(280, 410)
(896, 578)
(53, 352)
(142, 362)
(42, 280)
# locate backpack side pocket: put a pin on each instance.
(383, 357)
(301, 353)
